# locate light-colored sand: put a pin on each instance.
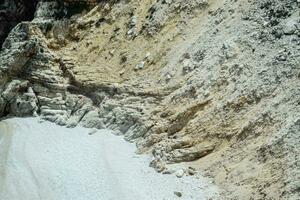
(42, 161)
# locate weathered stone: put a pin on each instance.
(291, 26)
(180, 173)
(191, 154)
(92, 120)
(158, 165)
(140, 66)
(25, 104)
(179, 194)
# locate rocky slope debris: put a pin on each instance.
(211, 83)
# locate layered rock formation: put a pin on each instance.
(13, 12)
(211, 83)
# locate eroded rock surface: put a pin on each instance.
(12, 12)
(212, 83)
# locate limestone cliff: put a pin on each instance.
(208, 82)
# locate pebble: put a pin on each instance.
(179, 194)
(290, 27)
(188, 65)
(179, 173)
(168, 77)
(133, 21)
(147, 56)
(141, 65)
(282, 58)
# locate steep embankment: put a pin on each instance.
(215, 83)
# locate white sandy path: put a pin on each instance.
(49, 162)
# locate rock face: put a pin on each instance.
(212, 83)
(12, 12)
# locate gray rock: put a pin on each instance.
(178, 194)
(291, 26)
(180, 173)
(140, 66)
(188, 65)
(92, 120)
(158, 165)
(191, 171)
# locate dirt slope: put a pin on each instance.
(211, 83)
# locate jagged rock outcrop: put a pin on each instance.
(12, 12)
(213, 83)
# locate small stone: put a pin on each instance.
(179, 173)
(131, 31)
(282, 58)
(290, 27)
(140, 66)
(206, 93)
(147, 56)
(158, 165)
(191, 171)
(93, 131)
(133, 21)
(188, 65)
(265, 23)
(106, 6)
(122, 72)
(168, 77)
(179, 194)
(112, 52)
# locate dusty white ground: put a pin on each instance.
(42, 161)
